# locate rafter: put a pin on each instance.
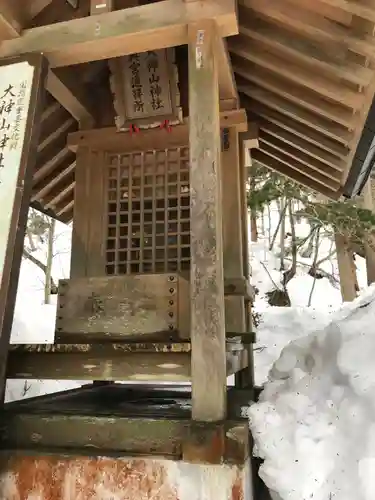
(10, 20)
(71, 95)
(36, 6)
(148, 27)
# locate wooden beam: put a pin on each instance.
(313, 26)
(64, 88)
(99, 362)
(54, 198)
(300, 143)
(302, 157)
(294, 72)
(63, 129)
(71, 95)
(113, 34)
(110, 138)
(233, 250)
(295, 164)
(50, 110)
(227, 83)
(262, 112)
(66, 209)
(207, 280)
(296, 175)
(36, 6)
(10, 20)
(45, 169)
(40, 193)
(318, 123)
(301, 50)
(349, 6)
(295, 93)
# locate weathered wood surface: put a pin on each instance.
(109, 308)
(207, 280)
(126, 31)
(109, 139)
(119, 436)
(78, 259)
(232, 232)
(117, 307)
(98, 362)
(111, 362)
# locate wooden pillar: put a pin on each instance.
(235, 245)
(232, 230)
(88, 235)
(207, 282)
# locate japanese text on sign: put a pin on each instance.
(15, 93)
(148, 90)
(12, 106)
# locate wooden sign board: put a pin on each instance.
(21, 85)
(145, 89)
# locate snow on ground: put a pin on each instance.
(34, 321)
(315, 422)
(280, 325)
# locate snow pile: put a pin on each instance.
(315, 421)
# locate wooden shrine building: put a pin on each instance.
(136, 121)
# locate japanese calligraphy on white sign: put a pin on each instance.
(147, 85)
(15, 95)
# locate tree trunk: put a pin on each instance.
(31, 241)
(369, 240)
(281, 218)
(283, 206)
(47, 285)
(291, 272)
(346, 267)
(253, 214)
(314, 265)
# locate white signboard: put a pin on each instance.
(15, 95)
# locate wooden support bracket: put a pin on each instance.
(110, 139)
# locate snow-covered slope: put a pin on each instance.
(34, 321)
(315, 422)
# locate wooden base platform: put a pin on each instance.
(125, 420)
(109, 361)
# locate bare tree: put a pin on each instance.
(48, 281)
(41, 228)
(346, 267)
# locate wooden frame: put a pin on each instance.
(22, 195)
(109, 139)
(138, 29)
(136, 429)
(207, 277)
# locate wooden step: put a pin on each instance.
(112, 361)
(125, 420)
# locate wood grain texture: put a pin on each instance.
(207, 281)
(117, 307)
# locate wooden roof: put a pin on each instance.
(304, 72)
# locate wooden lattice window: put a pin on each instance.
(148, 212)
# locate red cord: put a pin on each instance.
(166, 125)
(133, 129)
